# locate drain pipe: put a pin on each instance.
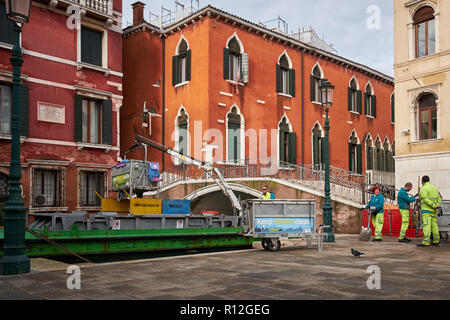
(302, 107)
(163, 96)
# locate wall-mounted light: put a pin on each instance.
(157, 83)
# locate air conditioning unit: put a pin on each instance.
(39, 200)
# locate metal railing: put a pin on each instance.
(381, 177)
(345, 184)
(102, 6)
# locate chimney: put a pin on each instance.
(138, 13)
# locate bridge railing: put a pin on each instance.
(346, 184)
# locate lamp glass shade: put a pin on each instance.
(326, 91)
(18, 10)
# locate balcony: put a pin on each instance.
(99, 9)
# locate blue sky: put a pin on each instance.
(342, 22)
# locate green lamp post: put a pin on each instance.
(326, 91)
(14, 260)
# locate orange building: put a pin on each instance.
(214, 80)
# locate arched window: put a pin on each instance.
(182, 130)
(427, 117)
(234, 136)
(369, 153)
(379, 152)
(424, 27)
(393, 108)
(386, 156)
(370, 102)
(317, 146)
(181, 64)
(354, 97)
(316, 77)
(287, 143)
(354, 154)
(235, 65)
(285, 76)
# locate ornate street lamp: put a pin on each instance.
(326, 92)
(14, 260)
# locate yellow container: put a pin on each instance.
(145, 206)
(112, 205)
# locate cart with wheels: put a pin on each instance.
(271, 220)
(443, 220)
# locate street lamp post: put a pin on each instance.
(14, 259)
(326, 91)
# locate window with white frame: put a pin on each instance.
(47, 188)
(5, 108)
(425, 32)
(91, 46)
(370, 102)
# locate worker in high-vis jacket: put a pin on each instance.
(376, 205)
(403, 200)
(266, 194)
(430, 202)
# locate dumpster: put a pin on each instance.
(274, 219)
(175, 206)
(133, 177)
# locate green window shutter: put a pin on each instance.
(359, 158)
(234, 141)
(365, 103)
(350, 165)
(369, 157)
(78, 118)
(316, 150)
(359, 101)
(278, 78)
(226, 63)
(392, 113)
(292, 82)
(292, 146)
(312, 89)
(281, 147)
(91, 46)
(24, 109)
(350, 91)
(188, 65)
(175, 70)
(374, 106)
(6, 26)
(107, 122)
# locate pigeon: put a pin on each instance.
(357, 253)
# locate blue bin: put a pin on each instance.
(170, 206)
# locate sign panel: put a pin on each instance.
(116, 224)
(51, 113)
(284, 225)
(121, 181)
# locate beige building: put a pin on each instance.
(422, 92)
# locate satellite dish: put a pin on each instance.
(39, 200)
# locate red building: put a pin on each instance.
(250, 93)
(71, 96)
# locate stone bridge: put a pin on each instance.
(349, 191)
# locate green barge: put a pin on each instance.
(80, 234)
